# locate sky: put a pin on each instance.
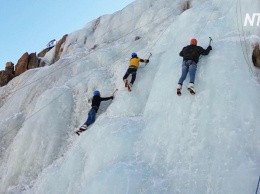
(27, 26)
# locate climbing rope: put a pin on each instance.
(156, 40)
(36, 112)
(256, 192)
(245, 51)
(130, 47)
(25, 85)
(207, 21)
(40, 109)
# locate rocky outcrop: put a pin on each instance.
(21, 65)
(186, 5)
(43, 52)
(26, 62)
(41, 55)
(58, 49)
(9, 68)
(29, 61)
(57, 52)
(33, 61)
(256, 56)
(7, 74)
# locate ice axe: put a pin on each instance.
(148, 58)
(210, 40)
(114, 92)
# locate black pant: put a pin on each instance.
(130, 71)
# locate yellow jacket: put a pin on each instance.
(134, 62)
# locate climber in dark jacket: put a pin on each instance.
(190, 54)
(96, 100)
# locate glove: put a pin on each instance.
(112, 97)
(210, 47)
(146, 61)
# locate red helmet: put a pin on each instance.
(193, 41)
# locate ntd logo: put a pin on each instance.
(252, 20)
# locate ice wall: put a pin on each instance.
(149, 140)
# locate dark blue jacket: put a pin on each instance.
(193, 52)
(96, 100)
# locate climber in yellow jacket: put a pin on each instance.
(132, 69)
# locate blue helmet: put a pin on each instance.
(96, 92)
(134, 55)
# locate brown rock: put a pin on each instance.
(43, 52)
(21, 65)
(256, 56)
(5, 78)
(41, 63)
(57, 52)
(58, 49)
(9, 68)
(26, 62)
(186, 5)
(32, 61)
